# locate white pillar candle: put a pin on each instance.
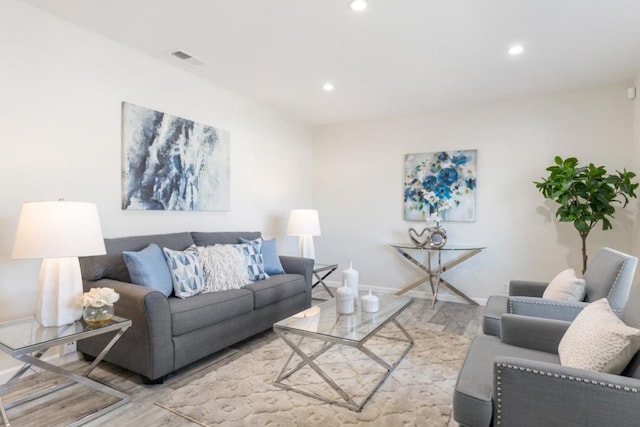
(350, 276)
(370, 303)
(344, 300)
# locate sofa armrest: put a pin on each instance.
(548, 308)
(298, 265)
(527, 288)
(535, 333)
(148, 309)
(531, 394)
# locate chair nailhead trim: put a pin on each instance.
(615, 282)
(543, 302)
(499, 367)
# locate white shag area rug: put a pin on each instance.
(240, 391)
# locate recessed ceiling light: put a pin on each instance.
(327, 87)
(516, 50)
(358, 5)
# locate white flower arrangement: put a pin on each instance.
(440, 204)
(98, 297)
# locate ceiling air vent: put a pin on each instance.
(184, 56)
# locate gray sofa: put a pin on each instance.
(170, 333)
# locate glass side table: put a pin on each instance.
(434, 273)
(321, 272)
(27, 340)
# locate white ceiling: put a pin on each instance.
(397, 57)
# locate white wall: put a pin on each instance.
(61, 89)
(358, 183)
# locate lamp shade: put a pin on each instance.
(304, 222)
(58, 229)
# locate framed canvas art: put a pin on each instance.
(440, 186)
(173, 164)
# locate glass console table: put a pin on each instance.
(27, 340)
(435, 267)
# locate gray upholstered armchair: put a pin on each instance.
(518, 380)
(609, 274)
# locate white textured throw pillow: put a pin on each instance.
(598, 340)
(224, 268)
(566, 286)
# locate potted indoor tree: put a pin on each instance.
(587, 195)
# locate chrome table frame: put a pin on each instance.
(434, 275)
(330, 341)
(327, 269)
(24, 354)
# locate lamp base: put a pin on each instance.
(305, 247)
(59, 292)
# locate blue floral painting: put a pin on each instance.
(173, 164)
(440, 186)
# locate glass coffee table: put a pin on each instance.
(315, 331)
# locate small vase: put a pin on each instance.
(98, 316)
(419, 239)
(437, 238)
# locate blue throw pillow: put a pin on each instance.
(270, 256)
(149, 268)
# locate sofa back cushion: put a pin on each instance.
(112, 266)
(201, 238)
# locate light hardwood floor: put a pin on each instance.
(66, 406)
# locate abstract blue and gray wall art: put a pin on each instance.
(171, 163)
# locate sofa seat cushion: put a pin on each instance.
(472, 397)
(276, 288)
(208, 309)
(496, 307)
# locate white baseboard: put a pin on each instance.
(443, 294)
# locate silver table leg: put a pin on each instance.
(434, 275)
(346, 401)
(73, 378)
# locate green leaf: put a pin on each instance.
(586, 195)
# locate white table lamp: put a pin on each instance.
(58, 232)
(306, 224)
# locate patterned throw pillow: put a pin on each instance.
(598, 340)
(272, 264)
(186, 272)
(253, 259)
(224, 268)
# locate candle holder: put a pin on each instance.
(344, 300)
(370, 303)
